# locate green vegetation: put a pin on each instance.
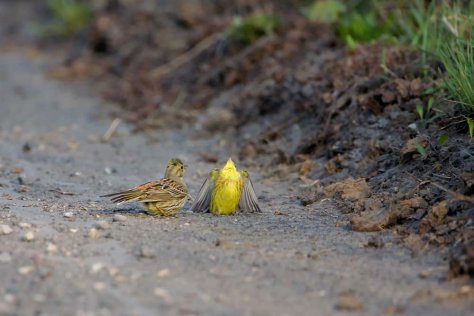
(356, 21)
(444, 32)
(364, 27)
(470, 124)
(443, 139)
(328, 11)
(249, 29)
(421, 110)
(421, 150)
(425, 113)
(441, 30)
(418, 26)
(458, 59)
(70, 17)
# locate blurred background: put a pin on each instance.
(325, 90)
(368, 103)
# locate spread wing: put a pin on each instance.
(154, 191)
(248, 199)
(203, 200)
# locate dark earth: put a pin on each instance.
(354, 219)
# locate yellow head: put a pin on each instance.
(175, 169)
(229, 166)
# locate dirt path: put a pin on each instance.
(290, 260)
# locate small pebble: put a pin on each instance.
(424, 274)
(24, 180)
(99, 286)
(163, 294)
(25, 225)
(102, 225)
(163, 273)
(109, 170)
(22, 189)
(413, 126)
(25, 270)
(93, 233)
(5, 229)
(119, 218)
(51, 248)
(113, 271)
(5, 257)
(28, 236)
(349, 302)
(44, 272)
(73, 230)
(17, 169)
(68, 214)
(26, 147)
(374, 242)
(10, 299)
(147, 252)
(465, 289)
(96, 267)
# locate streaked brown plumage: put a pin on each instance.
(164, 197)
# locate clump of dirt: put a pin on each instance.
(345, 120)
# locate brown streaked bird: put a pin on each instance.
(164, 197)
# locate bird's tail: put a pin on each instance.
(124, 196)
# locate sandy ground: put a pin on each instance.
(290, 260)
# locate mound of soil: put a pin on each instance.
(298, 103)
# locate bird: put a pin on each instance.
(226, 190)
(164, 197)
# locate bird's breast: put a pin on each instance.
(226, 196)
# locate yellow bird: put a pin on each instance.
(225, 191)
(164, 197)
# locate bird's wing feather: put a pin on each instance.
(154, 191)
(164, 188)
(248, 199)
(203, 200)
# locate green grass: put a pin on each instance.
(358, 21)
(418, 25)
(444, 32)
(458, 59)
(414, 22)
(441, 30)
(250, 28)
(70, 17)
(328, 11)
(363, 28)
(470, 125)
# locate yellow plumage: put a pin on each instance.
(225, 191)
